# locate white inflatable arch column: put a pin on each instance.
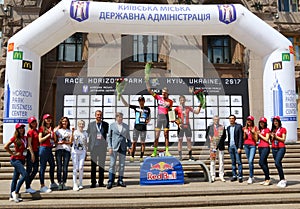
(279, 90)
(27, 46)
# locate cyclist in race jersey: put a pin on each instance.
(183, 121)
(164, 105)
(142, 118)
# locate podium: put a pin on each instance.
(161, 171)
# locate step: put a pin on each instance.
(185, 157)
(199, 174)
(165, 196)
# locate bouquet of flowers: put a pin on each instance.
(120, 86)
(200, 96)
(148, 67)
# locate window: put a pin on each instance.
(145, 48)
(296, 44)
(288, 5)
(218, 49)
(71, 49)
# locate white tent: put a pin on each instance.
(27, 46)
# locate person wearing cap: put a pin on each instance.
(215, 137)
(164, 106)
(250, 140)
(32, 159)
(278, 136)
(142, 118)
(46, 139)
(63, 137)
(235, 146)
(97, 131)
(264, 148)
(182, 113)
(17, 160)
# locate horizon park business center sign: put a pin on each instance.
(25, 48)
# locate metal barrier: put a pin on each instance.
(205, 169)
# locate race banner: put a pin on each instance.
(79, 97)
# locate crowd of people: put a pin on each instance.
(36, 147)
(248, 138)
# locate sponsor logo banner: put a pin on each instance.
(286, 57)
(277, 65)
(11, 47)
(161, 170)
(18, 55)
(291, 48)
(27, 65)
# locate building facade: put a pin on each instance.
(98, 54)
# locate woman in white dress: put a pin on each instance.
(79, 153)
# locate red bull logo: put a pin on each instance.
(162, 166)
(162, 176)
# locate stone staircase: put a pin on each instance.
(291, 163)
(195, 193)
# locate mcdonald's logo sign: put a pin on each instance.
(18, 55)
(277, 65)
(286, 57)
(27, 65)
(10, 47)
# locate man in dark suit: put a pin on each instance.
(235, 145)
(97, 131)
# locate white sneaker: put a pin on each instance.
(222, 179)
(80, 186)
(15, 197)
(30, 191)
(282, 183)
(250, 181)
(267, 183)
(75, 187)
(45, 189)
(12, 199)
(212, 179)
